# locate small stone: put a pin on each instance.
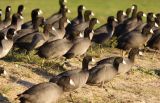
(2, 71)
(16, 65)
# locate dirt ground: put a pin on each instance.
(141, 85)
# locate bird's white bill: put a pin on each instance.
(115, 20)
(21, 17)
(156, 25)
(84, 8)
(98, 22)
(69, 11)
(124, 13)
(65, 1)
(81, 35)
(40, 12)
(144, 15)
(133, 7)
(151, 31)
(93, 60)
(124, 62)
(68, 21)
(154, 16)
(53, 28)
(5, 37)
(72, 82)
(140, 53)
(92, 14)
(9, 9)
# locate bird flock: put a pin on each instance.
(64, 38)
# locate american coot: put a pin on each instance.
(6, 42)
(105, 31)
(81, 45)
(128, 40)
(64, 15)
(0, 15)
(35, 28)
(105, 72)
(20, 10)
(127, 25)
(60, 32)
(55, 17)
(34, 14)
(79, 19)
(150, 18)
(128, 12)
(41, 93)
(79, 76)
(15, 23)
(7, 21)
(121, 16)
(54, 49)
(26, 41)
(40, 38)
(123, 68)
(82, 26)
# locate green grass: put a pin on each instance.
(102, 8)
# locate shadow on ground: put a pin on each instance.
(3, 99)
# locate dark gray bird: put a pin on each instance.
(82, 26)
(54, 49)
(33, 40)
(41, 93)
(55, 17)
(15, 23)
(34, 15)
(79, 19)
(105, 32)
(7, 21)
(6, 42)
(81, 45)
(128, 40)
(79, 76)
(105, 72)
(60, 32)
(123, 68)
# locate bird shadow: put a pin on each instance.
(25, 83)
(3, 99)
(157, 72)
(44, 72)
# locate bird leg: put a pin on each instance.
(28, 56)
(154, 54)
(100, 47)
(122, 53)
(43, 61)
(101, 84)
(70, 95)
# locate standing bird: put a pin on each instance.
(105, 72)
(129, 61)
(55, 17)
(15, 23)
(81, 45)
(79, 76)
(127, 41)
(34, 15)
(79, 19)
(6, 42)
(7, 21)
(46, 92)
(105, 31)
(0, 15)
